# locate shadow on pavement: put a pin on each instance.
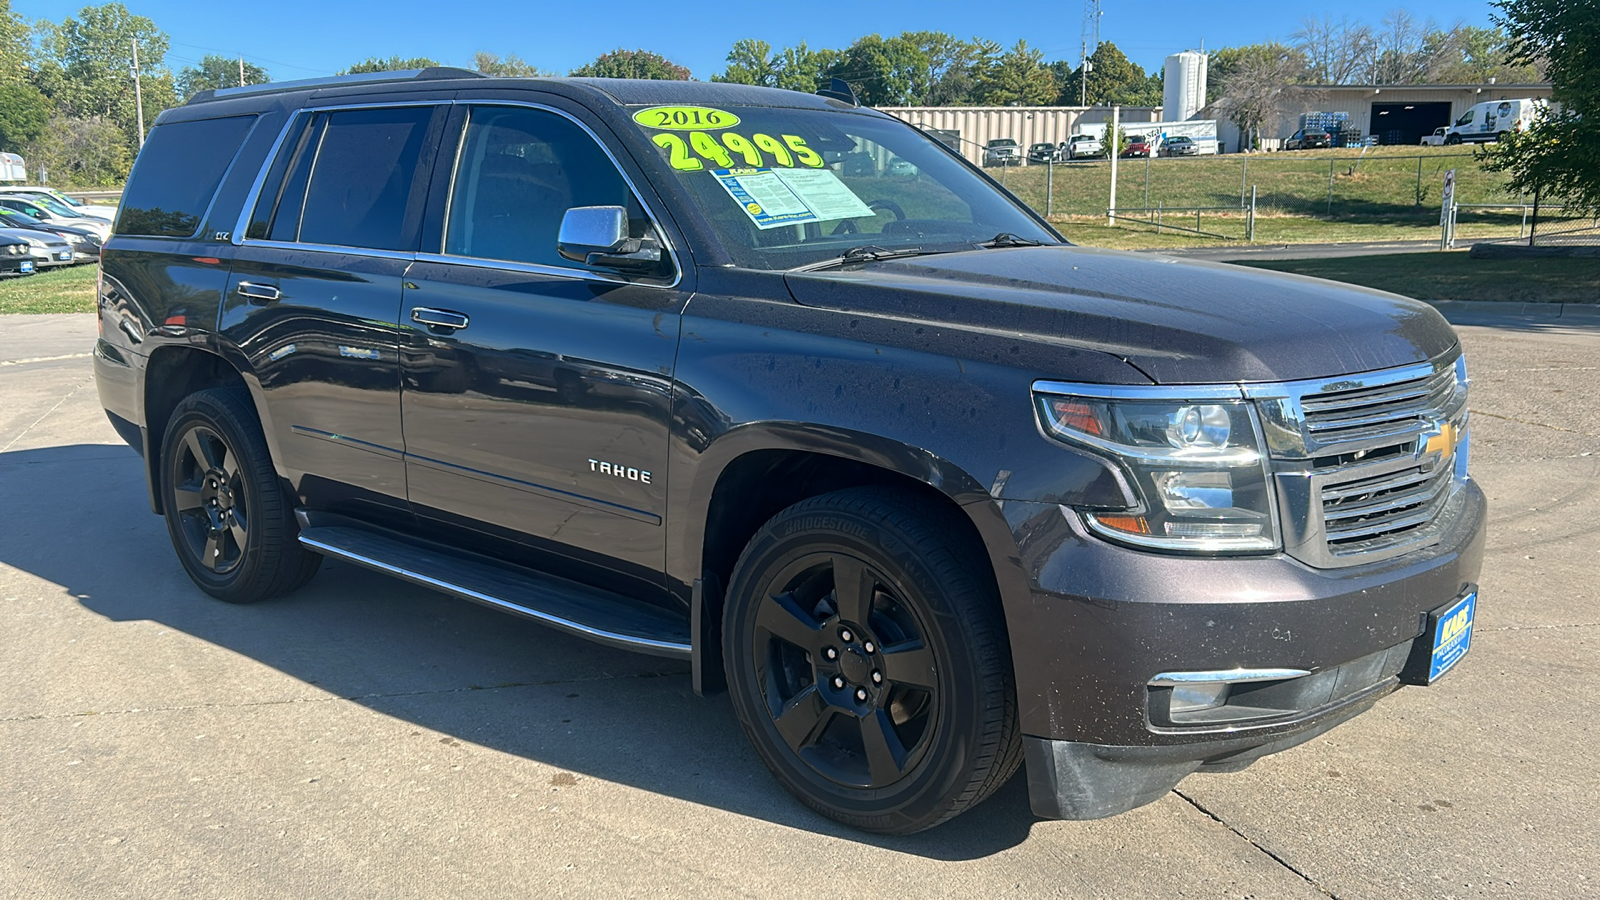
(77, 516)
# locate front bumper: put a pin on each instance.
(1102, 621)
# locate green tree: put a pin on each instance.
(1019, 77)
(621, 63)
(390, 64)
(216, 71)
(881, 71)
(749, 62)
(508, 66)
(16, 45)
(24, 112)
(1556, 159)
(1113, 81)
(81, 152)
(85, 63)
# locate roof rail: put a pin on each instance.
(431, 73)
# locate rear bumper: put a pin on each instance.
(1101, 622)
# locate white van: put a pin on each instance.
(1486, 121)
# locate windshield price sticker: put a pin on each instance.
(773, 198)
(730, 149)
(685, 118)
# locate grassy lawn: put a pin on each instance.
(67, 289)
(1457, 276)
(1383, 181)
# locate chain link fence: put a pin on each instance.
(1377, 187)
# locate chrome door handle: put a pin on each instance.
(439, 318)
(264, 293)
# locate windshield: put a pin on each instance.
(53, 205)
(789, 187)
(12, 217)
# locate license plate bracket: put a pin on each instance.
(1445, 641)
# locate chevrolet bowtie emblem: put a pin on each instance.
(1442, 442)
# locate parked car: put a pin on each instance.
(1041, 154)
(1084, 146)
(48, 250)
(83, 207)
(1436, 139)
(16, 256)
(50, 212)
(1308, 139)
(1141, 145)
(900, 168)
(928, 490)
(1179, 146)
(85, 244)
(1002, 152)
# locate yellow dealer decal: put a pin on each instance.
(685, 118)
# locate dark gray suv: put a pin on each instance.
(697, 370)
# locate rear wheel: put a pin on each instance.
(868, 662)
(229, 520)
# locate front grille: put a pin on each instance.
(1388, 412)
(1365, 465)
(1376, 513)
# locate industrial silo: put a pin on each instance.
(1185, 95)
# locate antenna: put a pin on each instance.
(1091, 43)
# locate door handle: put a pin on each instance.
(264, 293)
(439, 318)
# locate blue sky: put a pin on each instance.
(306, 38)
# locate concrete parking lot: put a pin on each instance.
(365, 738)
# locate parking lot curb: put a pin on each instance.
(1566, 313)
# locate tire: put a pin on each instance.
(1452, 140)
(890, 708)
(229, 519)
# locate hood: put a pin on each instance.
(1178, 321)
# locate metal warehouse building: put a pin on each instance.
(1026, 125)
(1395, 113)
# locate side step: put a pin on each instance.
(588, 612)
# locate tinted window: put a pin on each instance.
(520, 171)
(177, 173)
(362, 176)
(292, 152)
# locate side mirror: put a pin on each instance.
(598, 236)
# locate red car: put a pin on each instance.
(1139, 145)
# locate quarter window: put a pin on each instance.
(520, 170)
(178, 171)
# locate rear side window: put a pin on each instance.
(177, 174)
(348, 179)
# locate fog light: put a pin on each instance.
(1189, 698)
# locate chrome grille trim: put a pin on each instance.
(1362, 474)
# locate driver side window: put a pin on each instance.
(519, 171)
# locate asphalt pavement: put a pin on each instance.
(367, 738)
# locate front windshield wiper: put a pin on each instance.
(1007, 239)
(864, 253)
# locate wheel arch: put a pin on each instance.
(753, 472)
(172, 373)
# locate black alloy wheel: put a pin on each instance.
(230, 520)
(868, 662)
(210, 501)
(849, 680)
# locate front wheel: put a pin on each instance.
(1453, 140)
(868, 662)
(229, 520)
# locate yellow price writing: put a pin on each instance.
(785, 153)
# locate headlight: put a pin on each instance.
(1195, 467)
(35, 242)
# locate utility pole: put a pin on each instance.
(1110, 145)
(138, 93)
(241, 71)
